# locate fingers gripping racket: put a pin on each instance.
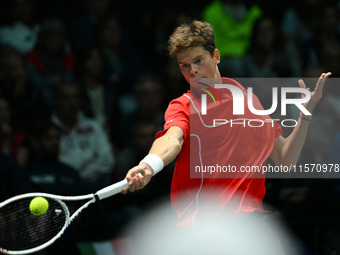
(22, 232)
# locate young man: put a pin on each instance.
(193, 46)
(84, 144)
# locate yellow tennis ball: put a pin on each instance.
(38, 206)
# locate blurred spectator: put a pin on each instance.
(142, 136)
(174, 83)
(329, 25)
(84, 144)
(330, 58)
(44, 170)
(313, 71)
(233, 22)
(149, 96)
(11, 137)
(298, 23)
(26, 103)
(122, 64)
(13, 181)
(81, 29)
(99, 100)
(51, 60)
(323, 47)
(20, 32)
(274, 10)
(299, 26)
(269, 55)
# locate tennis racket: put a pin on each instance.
(22, 232)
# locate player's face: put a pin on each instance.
(197, 62)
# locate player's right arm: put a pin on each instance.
(166, 147)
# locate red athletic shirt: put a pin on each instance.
(233, 145)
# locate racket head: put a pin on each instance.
(22, 232)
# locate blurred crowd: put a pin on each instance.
(84, 85)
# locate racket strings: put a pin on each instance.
(22, 230)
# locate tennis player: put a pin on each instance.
(193, 47)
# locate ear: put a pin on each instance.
(217, 56)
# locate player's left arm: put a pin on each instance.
(287, 151)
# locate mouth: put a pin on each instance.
(198, 83)
(204, 82)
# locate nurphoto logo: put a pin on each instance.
(238, 100)
(241, 98)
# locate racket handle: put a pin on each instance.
(112, 189)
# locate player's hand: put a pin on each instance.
(136, 181)
(317, 93)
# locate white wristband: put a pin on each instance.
(155, 162)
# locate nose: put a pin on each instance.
(193, 71)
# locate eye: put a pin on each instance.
(197, 61)
(184, 66)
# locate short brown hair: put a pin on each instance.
(195, 33)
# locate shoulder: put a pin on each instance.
(87, 121)
(181, 104)
(177, 114)
(184, 99)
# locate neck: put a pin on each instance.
(218, 75)
(67, 119)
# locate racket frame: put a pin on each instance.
(99, 195)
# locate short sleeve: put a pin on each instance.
(177, 114)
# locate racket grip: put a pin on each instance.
(112, 189)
